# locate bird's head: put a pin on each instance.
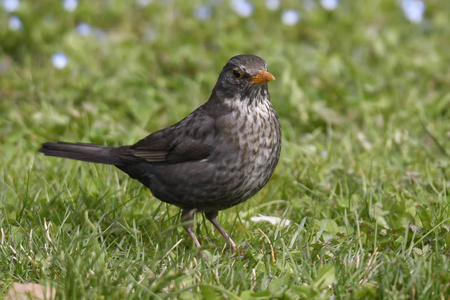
(244, 78)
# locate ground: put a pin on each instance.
(362, 92)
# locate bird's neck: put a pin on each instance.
(252, 96)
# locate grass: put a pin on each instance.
(363, 99)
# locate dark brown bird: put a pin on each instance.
(220, 155)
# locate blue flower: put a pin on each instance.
(59, 60)
(309, 4)
(290, 17)
(15, 23)
(83, 29)
(150, 35)
(70, 5)
(243, 8)
(202, 12)
(329, 4)
(143, 3)
(273, 4)
(413, 10)
(10, 6)
(100, 34)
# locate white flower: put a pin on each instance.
(271, 220)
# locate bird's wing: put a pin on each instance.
(190, 139)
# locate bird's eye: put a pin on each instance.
(237, 74)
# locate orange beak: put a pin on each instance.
(262, 76)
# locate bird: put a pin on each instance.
(218, 156)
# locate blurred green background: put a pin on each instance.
(362, 92)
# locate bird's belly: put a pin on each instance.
(215, 183)
(252, 171)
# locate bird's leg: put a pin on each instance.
(187, 218)
(211, 216)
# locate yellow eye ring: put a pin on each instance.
(237, 74)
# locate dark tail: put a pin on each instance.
(88, 152)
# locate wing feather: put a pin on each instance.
(188, 140)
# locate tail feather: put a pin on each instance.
(85, 152)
